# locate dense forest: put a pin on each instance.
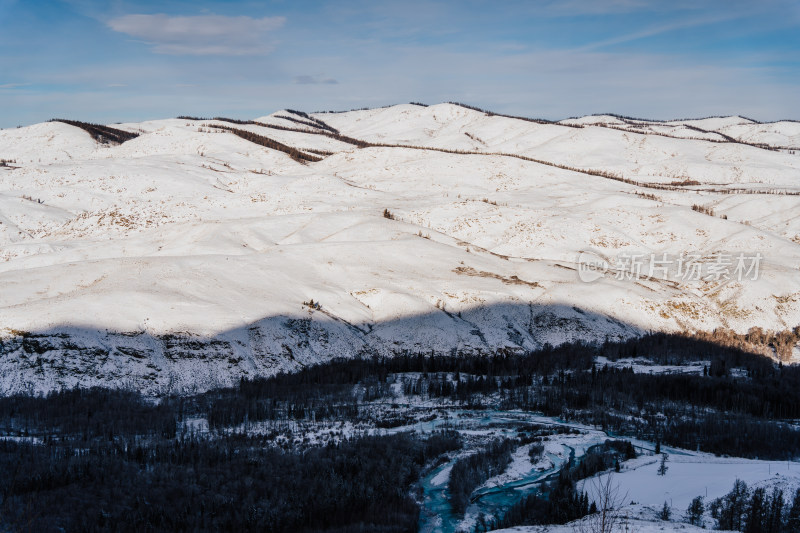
(706, 411)
(234, 483)
(83, 460)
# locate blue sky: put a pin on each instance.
(118, 60)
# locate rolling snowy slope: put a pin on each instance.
(189, 256)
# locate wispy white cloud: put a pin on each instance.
(660, 29)
(314, 80)
(573, 8)
(202, 34)
(550, 58)
(594, 7)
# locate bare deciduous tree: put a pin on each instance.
(606, 495)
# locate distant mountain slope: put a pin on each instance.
(190, 256)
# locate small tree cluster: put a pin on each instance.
(695, 511)
(558, 502)
(751, 511)
(703, 209)
(311, 304)
(469, 472)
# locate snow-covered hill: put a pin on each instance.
(189, 256)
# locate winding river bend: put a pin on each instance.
(500, 493)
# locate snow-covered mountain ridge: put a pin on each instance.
(190, 256)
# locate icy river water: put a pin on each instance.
(520, 480)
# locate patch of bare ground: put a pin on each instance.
(512, 280)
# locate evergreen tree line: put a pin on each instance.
(310, 122)
(751, 511)
(100, 133)
(527, 119)
(712, 412)
(294, 153)
(723, 138)
(723, 415)
(721, 345)
(632, 121)
(319, 130)
(319, 123)
(230, 483)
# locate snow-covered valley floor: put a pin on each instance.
(640, 491)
